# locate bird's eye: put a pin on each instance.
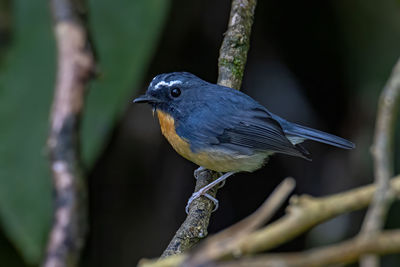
(175, 92)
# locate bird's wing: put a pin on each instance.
(245, 130)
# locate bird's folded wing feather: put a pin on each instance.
(243, 131)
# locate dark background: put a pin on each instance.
(318, 63)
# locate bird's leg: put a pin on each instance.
(203, 191)
(198, 171)
(201, 169)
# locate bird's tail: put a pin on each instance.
(319, 136)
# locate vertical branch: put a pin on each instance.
(75, 68)
(231, 63)
(236, 43)
(382, 151)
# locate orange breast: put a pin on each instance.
(167, 124)
(210, 158)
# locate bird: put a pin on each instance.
(223, 129)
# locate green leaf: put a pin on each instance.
(125, 34)
(26, 81)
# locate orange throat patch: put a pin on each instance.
(167, 124)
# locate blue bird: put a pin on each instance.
(223, 129)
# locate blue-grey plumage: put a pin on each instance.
(223, 129)
(235, 131)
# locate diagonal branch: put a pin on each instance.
(232, 60)
(75, 68)
(382, 151)
(344, 252)
(303, 213)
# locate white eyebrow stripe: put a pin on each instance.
(152, 81)
(170, 83)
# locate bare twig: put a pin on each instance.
(225, 241)
(345, 252)
(75, 67)
(232, 59)
(303, 213)
(382, 151)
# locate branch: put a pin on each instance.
(75, 68)
(342, 253)
(382, 151)
(303, 213)
(231, 63)
(236, 43)
(227, 240)
(196, 223)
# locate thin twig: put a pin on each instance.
(75, 68)
(345, 252)
(382, 151)
(303, 213)
(215, 246)
(232, 60)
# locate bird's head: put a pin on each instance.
(171, 92)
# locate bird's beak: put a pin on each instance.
(146, 99)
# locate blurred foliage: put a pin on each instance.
(125, 33)
(8, 255)
(26, 80)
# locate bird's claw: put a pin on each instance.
(199, 194)
(222, 184)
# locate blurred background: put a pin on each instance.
(318, 63)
